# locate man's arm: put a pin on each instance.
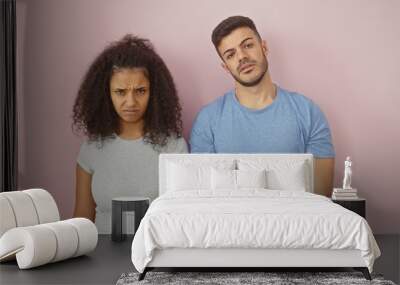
(201, 137)
(323, 176)
(319, 143)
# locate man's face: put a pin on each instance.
(244, 56)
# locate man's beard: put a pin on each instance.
(255, 81)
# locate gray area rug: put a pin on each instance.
(273, 278)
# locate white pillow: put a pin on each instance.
(280, 174)
(293, 178)
(182, 177)
(223, 179)
(251, 178)
(236, 179)
(193, 173)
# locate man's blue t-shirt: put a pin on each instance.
(291, 124)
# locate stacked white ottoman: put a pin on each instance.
(31, 230)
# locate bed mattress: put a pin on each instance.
(250, 219)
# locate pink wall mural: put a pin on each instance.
(344, 55)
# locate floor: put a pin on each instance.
(110, 260)
(102, 266)
(389, 262)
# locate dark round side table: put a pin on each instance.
(357, 205)
(139, 205)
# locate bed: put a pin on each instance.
(247, 210)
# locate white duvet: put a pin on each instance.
(251, 218)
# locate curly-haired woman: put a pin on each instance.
(128, 108)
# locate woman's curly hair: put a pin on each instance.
(93, 111)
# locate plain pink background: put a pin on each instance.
(344, 55)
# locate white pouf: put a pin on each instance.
(40, 244)
(31, 232)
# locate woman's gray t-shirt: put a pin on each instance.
(122, 167)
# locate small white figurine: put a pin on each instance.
(347, 174)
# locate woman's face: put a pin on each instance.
(130, 92)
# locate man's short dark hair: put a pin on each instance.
(230, 24)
